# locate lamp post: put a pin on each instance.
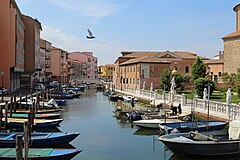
(2, 73)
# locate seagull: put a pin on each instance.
(90, 35)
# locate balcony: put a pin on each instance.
(48, 56)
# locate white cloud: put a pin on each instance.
(106, 51)
(94, 8)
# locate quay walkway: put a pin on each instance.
(218, 110)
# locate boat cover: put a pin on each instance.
(234, 129)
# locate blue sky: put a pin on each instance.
(136, 25)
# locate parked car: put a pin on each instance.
(39, 86)
(3, 91)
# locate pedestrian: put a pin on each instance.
(179, 109)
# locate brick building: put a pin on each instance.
(133, 68)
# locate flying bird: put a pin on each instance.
(90, 35)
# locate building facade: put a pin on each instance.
(32, 68)
(135, 68)
(91, 61)
(106, 72)
(60, 65)
(45, 61)
(12, 31)
(231, 46)
(77, 72)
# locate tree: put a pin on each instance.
(198, 69)
(166, 77)
(225, 77)
(202, 83)
(200, 77)
(238, 81)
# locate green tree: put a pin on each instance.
(225, 77)
(198, 69)
(232, 81)
(166, 77)
(202, 83)
(238, 81)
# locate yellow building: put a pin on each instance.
(106, 72)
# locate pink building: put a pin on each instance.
(90, 60)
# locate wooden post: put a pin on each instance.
(19, 147)
(14, 103)
(20, 100)
(26, 140)
(6, 115)
(26, 99)
(1, 116)
(11, 106)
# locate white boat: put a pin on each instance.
(129, 98)
(153, 123)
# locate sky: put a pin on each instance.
(134, 25)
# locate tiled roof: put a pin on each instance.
(213, 61)
(232, 35)
(185, 55)
(145, 59)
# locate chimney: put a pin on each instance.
(237, 10)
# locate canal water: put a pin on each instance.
(103, 137)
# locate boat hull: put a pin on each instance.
(153, 123)
(56, 154)
(200, 148)
(39, 139)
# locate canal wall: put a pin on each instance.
(215, 110)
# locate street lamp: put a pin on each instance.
(2, 73)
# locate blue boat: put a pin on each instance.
(38, 139)
(107, 93)
(61, 96)
(41, 153)
(193, 126)
(61, 102)
(38, 123)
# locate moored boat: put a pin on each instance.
(19, 122)
(41, 110)
(215, 143)
(38, 139)
(37, 115)
(41, 153)
(153, 123)
(193, 126)
(129, 98)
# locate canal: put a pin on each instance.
(103, 137)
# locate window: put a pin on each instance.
(219, 74)
(89, 59)
(186, 69)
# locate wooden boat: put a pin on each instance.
(38, 139)
(41, 153)
(215, 143)
(153, 123)
(160, 115)
(18, 122)
(41, 110)
(193, 126)
(129, 99)
(113, 97)
(37, 115)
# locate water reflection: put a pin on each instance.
(147, 132)
(179, 157)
